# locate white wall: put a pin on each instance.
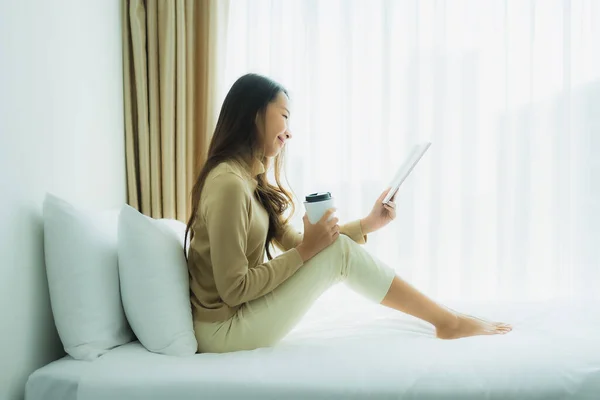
(61, 130)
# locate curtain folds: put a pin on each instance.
(170, 63)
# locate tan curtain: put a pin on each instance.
(170, 59)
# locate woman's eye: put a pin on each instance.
(285, 116)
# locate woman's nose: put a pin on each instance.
(288, 134)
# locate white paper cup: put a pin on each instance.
(317, 204)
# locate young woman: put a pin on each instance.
(240, 302)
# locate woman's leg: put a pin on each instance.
(266, 320)
(448, 324)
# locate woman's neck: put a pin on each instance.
(254, 165)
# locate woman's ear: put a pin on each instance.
(259, 122)
(258, 119)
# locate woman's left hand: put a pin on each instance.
(380, 215)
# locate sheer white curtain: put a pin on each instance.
(506, 204)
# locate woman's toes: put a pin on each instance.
(503, 327)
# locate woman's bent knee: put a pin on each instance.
(343, 243)
(338, 249)
(333, 258)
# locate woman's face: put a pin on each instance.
(274, 132)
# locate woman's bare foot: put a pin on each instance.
(466, 325)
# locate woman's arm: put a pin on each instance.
(226, 211)
(289, 237)
(380, 215)
(354, 231)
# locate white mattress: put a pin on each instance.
(553, 353)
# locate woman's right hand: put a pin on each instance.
(318, 236)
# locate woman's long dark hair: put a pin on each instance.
(236, 138)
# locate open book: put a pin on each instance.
(406, 168)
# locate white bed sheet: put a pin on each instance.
(58, 380)
(553, 353)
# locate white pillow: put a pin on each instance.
(83, 278)
(155, 283)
